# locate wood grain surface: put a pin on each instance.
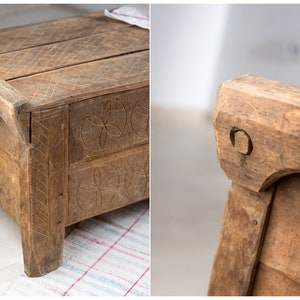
(258, 136)
(268, 111)
(74, 122)
(270, 282)
(45, 212)
(240, 240)
(10, 172)
(11, 102)
(105, 184)
(108, 124)
(72, 84)
(71, 52)
(281, 247)
(33, 35)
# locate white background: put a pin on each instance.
(195, 47)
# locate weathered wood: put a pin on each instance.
(9, 143)
(72, 84)
(258, 136)
(9, 171)
(46, 210)
(22, 37)
(11, 102)
(240, 241)
(61, 54)
(105, 184)
(269, 282)
(9, 185)
(281, 248)
(75, 135)
(108, 124)
(268, 111)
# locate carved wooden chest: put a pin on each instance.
(257, 127)
(74, 107)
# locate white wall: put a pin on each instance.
(185, 40)
(22, 14)
(262, 40)
(196, 47)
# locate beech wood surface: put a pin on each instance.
(74, 126)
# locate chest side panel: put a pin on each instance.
(108, 124)
(105, 184)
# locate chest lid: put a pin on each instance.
(50, 64)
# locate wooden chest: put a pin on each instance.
(257, 127)
(74, 127)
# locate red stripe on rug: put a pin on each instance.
(95, 241)
(84, 230)
(101, 257)
(136, 282)
(111, 274)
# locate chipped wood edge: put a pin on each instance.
(253, 188)
(240, 241)
(27, 108)
(11, 102)
(268, 112)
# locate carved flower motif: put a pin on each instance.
(99, 188)
(106, 120)
(137, 179)
(140, 117)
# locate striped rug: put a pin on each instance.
(103, 256)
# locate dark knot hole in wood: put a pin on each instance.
(241, 140)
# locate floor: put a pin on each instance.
(107, 255)
(188, 196)
(11, 259)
